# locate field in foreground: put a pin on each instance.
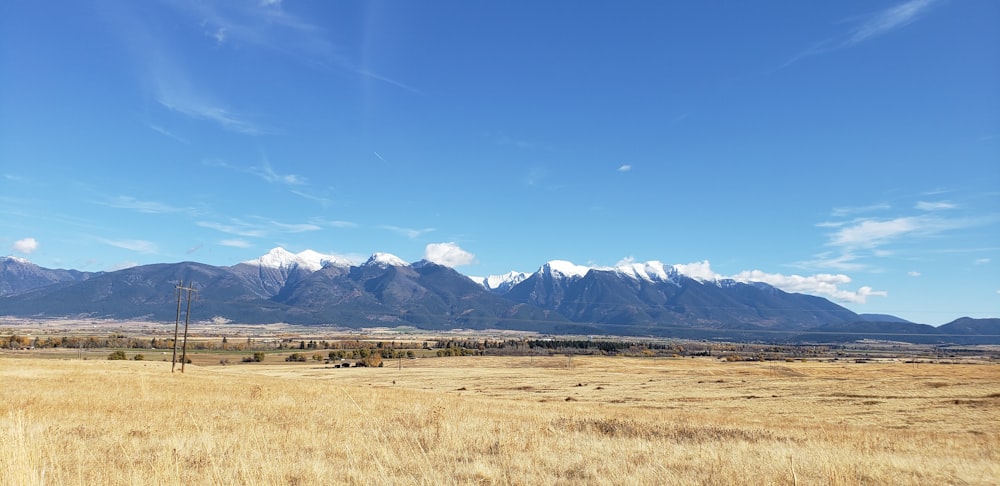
(487, 420)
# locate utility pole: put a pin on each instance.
(180, 288)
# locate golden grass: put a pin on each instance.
(485, 420)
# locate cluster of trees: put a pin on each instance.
(528, 347)
(120, 355)
(15, 341)
(525, 347)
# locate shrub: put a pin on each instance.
(296, 357)
(138, 357)
(117, 355)
(373, 359)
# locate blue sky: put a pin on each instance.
(846, 149)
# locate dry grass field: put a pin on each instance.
(499, 420)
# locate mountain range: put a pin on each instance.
(309, 288)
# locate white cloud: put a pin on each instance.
(625, 168)
(826, 285)
(448, 254)
(823, 284)
(698, 270)
(913, 274)
(235, 243)
(139, 246)
(982, 261)
(935, 206)
(25, 245)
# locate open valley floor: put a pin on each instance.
(546, 419)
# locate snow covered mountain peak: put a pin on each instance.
(386, 260)
(317, 260)
(563, 268)
(276, 258)
(653, 271)
(501, 283)
(15, 259)
(281, 258)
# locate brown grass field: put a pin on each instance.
(499, 420)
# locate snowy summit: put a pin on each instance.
(283, 259)
(386, 260)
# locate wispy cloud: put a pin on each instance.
(856, 239)
(264, 171)
(509, 141)
(393, 82)
(256, 227)
(173, 87)
(982, 261)
(148, 207)
(535, 176)
(138, 246)
(448, 254)
(343, 224)
(873, 25)
(407, 232)
(323, 201)
(625, 168)
(198, 107)
(268, 25)
(167, 133)
(935, 206)
(844, 262)
(235, 243)
(872, 233)
(849, 210)
(887, 20)
(913, 273)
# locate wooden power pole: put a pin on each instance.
(180, 288)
